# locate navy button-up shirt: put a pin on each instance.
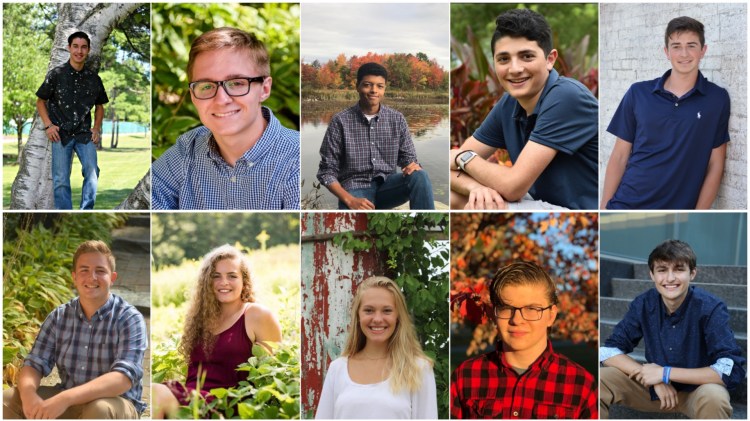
(114, 339)
(696, 335)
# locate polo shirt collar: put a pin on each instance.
(551, 79)
(101, 312)
(259, 149)
(700, 84)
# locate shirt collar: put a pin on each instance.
(101, 312)
(362, 116)
(541, 363)
(680, 312)
(263, 144)
(700, 84)
(551, 79)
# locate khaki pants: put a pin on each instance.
(104, 408)
(708, 401)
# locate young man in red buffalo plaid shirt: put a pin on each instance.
(524, 378)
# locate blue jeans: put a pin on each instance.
(396, 190)
(62, 164)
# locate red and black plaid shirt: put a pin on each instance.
(553, 387)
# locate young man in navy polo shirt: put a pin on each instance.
(692, 356)
(548, 124)
(672, 133)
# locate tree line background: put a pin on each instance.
(405, 72)
(176, 25)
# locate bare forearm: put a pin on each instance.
(98, 117)
(612, 178)
(338, 190)
(107, 385)
(623, 363)
(41, 108)
(710, 187)
(703, 375)
(28, 381)
(463, 184)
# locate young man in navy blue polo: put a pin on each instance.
(672, 133)
(548, 124)
(692, 356)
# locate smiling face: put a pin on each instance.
(93, 278)
(79, 51)
(520, 335)
(523, 69)
(227, 280)
(378, 315)
(231, 119)
(685, 52)
(371, 91)
(672, 280)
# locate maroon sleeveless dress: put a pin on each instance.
(232, 348)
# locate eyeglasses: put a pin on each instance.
(530, 314)
(207, 89)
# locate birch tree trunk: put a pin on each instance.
(140, 197)
(32, 187)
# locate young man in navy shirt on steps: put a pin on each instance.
(672, 133)
(691, 356)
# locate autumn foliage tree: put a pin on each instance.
(565, 244)
(405, 71)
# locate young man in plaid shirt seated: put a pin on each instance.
(96, 340)
(524, 377)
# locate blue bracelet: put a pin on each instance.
(665, 374)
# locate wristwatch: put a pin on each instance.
(464, 159)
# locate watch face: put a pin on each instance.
(466, 157)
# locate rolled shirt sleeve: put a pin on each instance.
(132, 346)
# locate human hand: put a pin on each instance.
(51, 408)
(96, 135)
(648, 375)
(52, 133)
(359, 203)
(485, 198)
(30, 404)
(667, 395)
(407, 170)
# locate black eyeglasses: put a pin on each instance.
(529, 313)
(207, 89)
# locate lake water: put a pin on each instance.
(430, 130)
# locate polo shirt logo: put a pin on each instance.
(699, 115)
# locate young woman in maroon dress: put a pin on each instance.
(222, 323)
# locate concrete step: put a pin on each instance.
(615, 308)
(732, 295)
(128, 239)
(606, 326)
(139, 219)
(733, 275)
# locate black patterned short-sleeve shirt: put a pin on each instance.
(70, 96)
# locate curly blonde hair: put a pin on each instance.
(203, 314)
(403, 346)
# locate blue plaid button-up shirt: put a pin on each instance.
(356, 151)
(115, 339)
(193, 175)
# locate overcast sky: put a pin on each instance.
(355, 29)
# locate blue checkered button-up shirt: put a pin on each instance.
(356, 151)
(193, 175)
(115, 339)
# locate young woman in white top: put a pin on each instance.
(382, 372)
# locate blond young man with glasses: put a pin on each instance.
(524, 377)
(242, 157)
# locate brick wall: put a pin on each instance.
(632, 49)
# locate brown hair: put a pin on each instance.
(231, 38)
(521, 273)
(94, 246)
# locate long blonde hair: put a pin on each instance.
(404, 349)
(204, 311)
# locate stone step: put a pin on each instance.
(615, 308)
(733, 275)
(606, 326)
(131, 240)
(732, 295)
(139, 219)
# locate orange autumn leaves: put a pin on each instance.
(565, 244)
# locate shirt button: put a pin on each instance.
(233, 179)
(515, 413)
(673, 326)
(670, 349)
(372, 127)
(250, 164)
(676, 104)
(85, 347)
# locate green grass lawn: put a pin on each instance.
(120, 169)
